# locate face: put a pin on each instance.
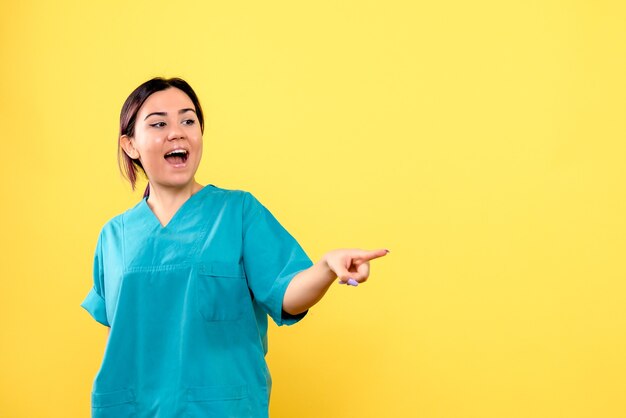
(167, 140)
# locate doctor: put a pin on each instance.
(187, 277)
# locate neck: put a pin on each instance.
(165, 201)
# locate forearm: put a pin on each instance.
(308, 287)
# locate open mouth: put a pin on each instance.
(177, 156)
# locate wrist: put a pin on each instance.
(325, 270)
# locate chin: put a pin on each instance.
(176, 183)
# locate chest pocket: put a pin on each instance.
(221, 291)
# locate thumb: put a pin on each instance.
(353, 278)
(343, 274)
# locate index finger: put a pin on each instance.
(371, 255)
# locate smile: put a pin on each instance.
(177, 157)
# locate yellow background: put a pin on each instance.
(482, 142)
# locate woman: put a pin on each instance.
(186, 278)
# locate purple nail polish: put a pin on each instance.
(353, 282)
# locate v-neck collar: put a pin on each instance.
(144, 203)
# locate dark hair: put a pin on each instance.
(129, 166)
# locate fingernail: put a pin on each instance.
(342, 282)
(353, 282)
(387, 251)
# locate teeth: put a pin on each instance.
(177, 151)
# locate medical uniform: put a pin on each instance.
(187, 305)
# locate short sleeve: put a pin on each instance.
(94, 303)
(271, 258)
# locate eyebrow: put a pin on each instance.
(180, 112)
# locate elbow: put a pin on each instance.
(293, 310)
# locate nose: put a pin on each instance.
(175, 132)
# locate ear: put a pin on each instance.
(126, 142)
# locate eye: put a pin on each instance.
(158, 124)
(189, 122)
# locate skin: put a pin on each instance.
(164, 122)
(310, 285)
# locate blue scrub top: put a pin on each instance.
(187, 305)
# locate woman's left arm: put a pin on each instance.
(310, 285)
